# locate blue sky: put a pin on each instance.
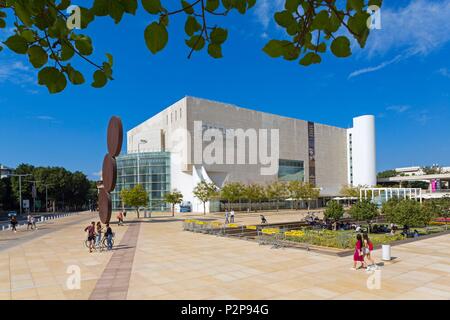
(402, 77)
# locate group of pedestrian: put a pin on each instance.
(31, 222)
(95, 232)
(363, 252)
(229, 216)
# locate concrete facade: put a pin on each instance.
(325, 155)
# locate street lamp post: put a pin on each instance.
(20, 188)
(142, 141)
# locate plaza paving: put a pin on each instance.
(155, 259)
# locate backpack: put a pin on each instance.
(370, 246)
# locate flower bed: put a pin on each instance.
(336, 239)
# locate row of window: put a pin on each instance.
(177, 114)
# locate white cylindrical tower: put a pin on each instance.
(362, 152)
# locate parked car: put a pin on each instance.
(12, 214)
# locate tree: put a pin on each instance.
(277, 191)
(334, 211)
(174, 197)
(350, 191)
(46, 33)
(69, 189)
(310, 193)
(408, 212)
(295, 188)
(387, 174)
(253, 192)
(205, 191)
(364, 210)
(232, 192)
(135, 197)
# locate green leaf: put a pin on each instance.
(23, 13)
(187, 7)
(38, 57)
(310, 58)
(130, 6)
(219, 35)
(284, 19)
(156, 37)
(152, 6)
(215, 50)
(75, 76)
(321, 21)
(67, 52)
(99, 79)
(2, 23)
(356, 5)
(17, 44)
(84, 45)
(212, 5)
(192, 25)
(292, 5)
(275, 48)
(116, 10)
(110, 59)
(196, 43)
(53, 79)
(341, 47)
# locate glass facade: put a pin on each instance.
(154, 176)
(289, 170)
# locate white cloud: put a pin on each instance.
(45, 118)
(376, 68)
(444, 72)
(265, 9)
(419, 115)
(420, 27)
(399, 108)
(16, 72)
(417, 29)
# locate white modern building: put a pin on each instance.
(217, 142)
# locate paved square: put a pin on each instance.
(155, 259)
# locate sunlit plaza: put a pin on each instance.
(155, 259)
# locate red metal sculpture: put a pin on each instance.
(109, 170)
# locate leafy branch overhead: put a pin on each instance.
(41, 31)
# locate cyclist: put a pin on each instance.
(91, 235)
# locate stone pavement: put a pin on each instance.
(157, 260)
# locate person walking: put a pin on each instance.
(99, 234)
(29, 222)
(14, 224)
(368, 248)
(358, 256)
(91, 235)
(232, 216)
(33, 222)
(109, 236)
(120, 218)
(226, 216)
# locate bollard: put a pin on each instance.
(386, 249)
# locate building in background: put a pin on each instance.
(328, 157)
(5, 171)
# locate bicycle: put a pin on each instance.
(103, 245)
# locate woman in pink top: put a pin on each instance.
(358, 256)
